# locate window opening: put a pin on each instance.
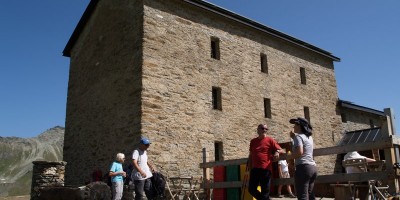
(264, 63)
(303, 75)
(216, 98)
(267, 108)
(215, 48)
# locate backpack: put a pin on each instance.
(107, 179)
(158, 184)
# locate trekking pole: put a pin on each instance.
(245, 178)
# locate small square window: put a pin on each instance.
(215, 48)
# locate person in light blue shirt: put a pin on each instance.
(117, 175)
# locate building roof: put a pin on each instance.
(361, 136)
(212, 8)
(348, 104)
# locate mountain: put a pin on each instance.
(17, 154)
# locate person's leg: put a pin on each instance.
(114, 189)
(280, 191)
(280, 187)
(119, 190)
(301, 180)
(254, 182)
(139, 189)
(313, 175)
(148, 190)
(288, 187)
(265, 180)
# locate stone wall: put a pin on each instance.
(144, 68)
(178, 76)
(104, 89)
(45, 175)
(359, 120)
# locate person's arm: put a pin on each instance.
(136, 166)
(276, 154)
(297, 150)
(113, 173)
(151, 166)
(249, 162)
(369, 159)
(280, 170)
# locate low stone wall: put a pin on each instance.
(46, 174)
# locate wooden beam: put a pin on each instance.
(333, 178)
(381, 144)
(224, 163)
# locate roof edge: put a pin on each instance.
(210, 7)
(348, 104)
(79, 27)
(236, 17)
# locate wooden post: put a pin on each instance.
(390, 156)
(206, 174)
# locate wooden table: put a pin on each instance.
(187, 187)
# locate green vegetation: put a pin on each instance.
(17, 154)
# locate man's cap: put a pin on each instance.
(144, 140)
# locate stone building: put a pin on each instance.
(188, 75)
(355, 117)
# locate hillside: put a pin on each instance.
(17, 154)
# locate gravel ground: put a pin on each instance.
(26, 197)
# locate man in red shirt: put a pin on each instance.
(263, 151)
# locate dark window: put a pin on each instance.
(267, 108)
(216, 98)
(371, 123)
(344, 118)
(218, 150)
(307, 113)
(264, 63)
(215, 48)
(303, 75)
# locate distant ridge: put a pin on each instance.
(17, 154)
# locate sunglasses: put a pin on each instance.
(264, 129)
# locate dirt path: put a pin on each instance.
(27, 197)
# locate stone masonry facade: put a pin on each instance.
(144, 68)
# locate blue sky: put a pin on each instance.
(34, 74)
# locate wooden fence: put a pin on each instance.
(389, 175)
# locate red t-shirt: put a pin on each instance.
(262, 152)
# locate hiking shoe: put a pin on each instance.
(291, 195)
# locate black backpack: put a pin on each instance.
(158, 184)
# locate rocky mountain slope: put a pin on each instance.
(17, 154)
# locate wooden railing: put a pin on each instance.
(388, 175)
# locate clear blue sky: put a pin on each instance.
(365, 34)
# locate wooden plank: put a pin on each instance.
(333, 178)
(381, 144)
(224, 163)
(233, 184)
